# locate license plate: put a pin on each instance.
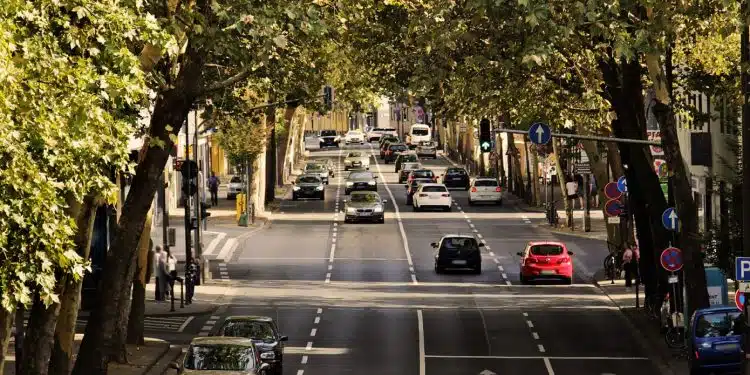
(727, 347)
(365, 213)
(459, 262)
(455, 178)
(549, 272)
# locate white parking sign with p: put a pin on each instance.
(742, 268)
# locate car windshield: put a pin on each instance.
(220, 357)
(328, 133)
(411, 165)
(235, 180)
(370, 198)
(410, 157)
(314, 167)
(455, 172)
(354, 154)
(248, 329)
(719, 324)
(398, 148)
(420, 181)
(485, 183)
(360, 176)
(308, 180)
(459, 244)
(423, 173)
(354, 132)
(434, 189)
(420, 132)
(546, 250)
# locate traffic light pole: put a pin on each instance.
(745, 79)
(587, 137)
(188, 245)
(198, 193)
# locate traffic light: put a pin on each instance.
(189, 170)
(328, 97)
(485, 135)
(204, 211)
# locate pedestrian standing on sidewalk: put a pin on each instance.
(171, 270)
(190, 274)
(594, 191)
(579, 191)
(630, 265)
(159, 292)
(571, 188)
(213, 186)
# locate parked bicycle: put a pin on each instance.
(675, 336)
(551, 213)
(613, 262)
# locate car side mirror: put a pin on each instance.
(520, 254)
(481, 244)
(174, 366)
(284, 338)
(434, 244)
(570, 253)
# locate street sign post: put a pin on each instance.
(669, 219)
(742, 268)
(613, 207)
(611, 191)
(671, 259)
(539, 133)
(622, 185)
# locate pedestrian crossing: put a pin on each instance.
(171, 324)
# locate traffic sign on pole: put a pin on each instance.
(622, 185)
(671, 259)
(742, 268)
(540, 133)
(613, 207)
(739, 299)
(611, 191)
(669, 219)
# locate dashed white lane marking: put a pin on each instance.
(397, 213)
(317, 320)
(304, 360)
(492, 254)
(535, 335)
(505, 276)
(541, 348)
(548, 365)
(479, 235)
(309, 345)
(328, 278)
(482, 240)
(300, 372)
(313, 332)
(530, 324)
(320, 311)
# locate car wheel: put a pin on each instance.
(347, 192)
(346, 221)
(568, 281)
(524, 280)
(439, 269)
(294, 197)
(466, 188)
(381, 221)
(346, 168)
(471, 202)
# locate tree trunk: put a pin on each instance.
(623, 88)
(6, 325)
(285, 145)
(37, 346)
(138, 302)
(171, 109)
(517, 175)
(70, 300)
(271, 151)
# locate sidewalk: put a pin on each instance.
(152, 358)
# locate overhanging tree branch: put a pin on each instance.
(243, 74)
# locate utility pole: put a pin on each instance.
(187, 196)
(198, 194)
(162, 202)
(744, 60)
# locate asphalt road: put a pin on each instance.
(364, 299)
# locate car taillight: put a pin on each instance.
(564, 260)
(498, 189)
(422, 195)
(473, 190)
(445, 195)
(530, 260)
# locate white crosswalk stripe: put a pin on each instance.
(150, 323)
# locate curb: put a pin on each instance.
(655, 354)
(184, 314)
(572, 234)
(158, 358)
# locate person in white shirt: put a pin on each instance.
(571, 188)
(171, 269)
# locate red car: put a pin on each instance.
(546, 260)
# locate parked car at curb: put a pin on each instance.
(715, 340)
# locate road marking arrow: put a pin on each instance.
(487, 372)
(673, 218)
(539, 134)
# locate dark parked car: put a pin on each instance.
(222, 354)
(308, 186)
(361, 180)
(328, 138)
(412, 186)
(408, 157)
(393, 150)
(364, 206)
(715, 340)
(265, 335)
(456, 251)
(456, 178)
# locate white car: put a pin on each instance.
(354, 136)
(376, 134)
(235, 187)
(418, 133)
(357, 159)
(485, 189)
(432, 196)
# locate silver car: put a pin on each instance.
(318, 169)
(235, 187)
(356, 160)
(364, 206)
(427, 149)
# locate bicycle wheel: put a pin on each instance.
(609, 267)
(674, 338)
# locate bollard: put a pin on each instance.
(206, 274)
(171, 294)
(182, 299)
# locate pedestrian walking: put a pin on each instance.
(571, 188)
(630, 264)
(594, 191)
(171, 271)
(213, 187)
(160, 273)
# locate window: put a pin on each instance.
(327, 133)
(308, 180)
(249, 329)
(546, 250)
(455, 172)
(719, 324)
(235, 180)
(354, 154)
(485, 183)
(371, 198)
(420, 131)
(459, 244)
(411, 165)
(398, 148)
(423, 174)
(434, 189)
(360, 176)
(220, 357)
(314, 167)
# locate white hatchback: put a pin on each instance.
(432, 196)
(485, 189)
(354, 136)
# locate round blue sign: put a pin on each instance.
(622, 184)
(539, 133)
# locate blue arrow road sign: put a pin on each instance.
(669, 219)
(539, 133)
(622, 185)
(742, 268)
